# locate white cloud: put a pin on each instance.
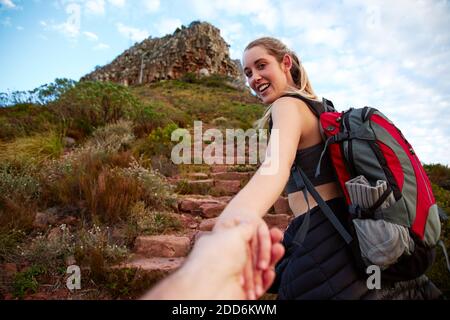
(67, 29)
(20, 28)
(168, 26)
(132, 33)
(90, 35)
(152, 5)
(95, 7)
(259, 12)
(101, 46)
(117, 3)
(8, 4)
(231, 31)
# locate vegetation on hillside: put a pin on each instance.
(84, 169)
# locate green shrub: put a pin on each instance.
(25, 119)
(150, 221)
(18, 182)
(439, 174)
(92, 104)
(105, 185)
(112, 137)
(27, 281)
(438, 272)
(159, 142)
(148, 119)
(49, 251)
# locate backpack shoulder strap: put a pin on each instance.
(315, 106)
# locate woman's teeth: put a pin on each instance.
(263, 87)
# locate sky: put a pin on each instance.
(392, 55)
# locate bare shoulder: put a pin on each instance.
(289, 107)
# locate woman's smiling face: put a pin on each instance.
(265, 74)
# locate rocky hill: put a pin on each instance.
(198, 49)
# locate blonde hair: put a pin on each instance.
(278, 49)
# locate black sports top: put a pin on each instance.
(308, 159)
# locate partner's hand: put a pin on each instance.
(264, 251)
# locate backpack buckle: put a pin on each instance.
(356, 212)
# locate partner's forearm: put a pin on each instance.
(183, 284)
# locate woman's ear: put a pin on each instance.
(287, 62)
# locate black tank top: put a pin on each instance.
(308, 159)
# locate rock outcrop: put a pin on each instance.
(198, 49)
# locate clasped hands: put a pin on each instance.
(255, 257)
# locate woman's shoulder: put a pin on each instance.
(291, 107)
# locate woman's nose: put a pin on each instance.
(256, 78)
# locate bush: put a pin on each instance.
(27, 281)
(158, 142)
(438, 272)
(19, 182)
(9, 241)
(92, 104)
(150, 222)
(25, 119)
(104, 184)
(439, 174)
(147, 120)
(112, 137)
(35, 149)
(16, 214)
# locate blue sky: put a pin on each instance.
(394, 55)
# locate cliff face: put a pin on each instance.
(197, 49)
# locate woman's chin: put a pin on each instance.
(268, 99)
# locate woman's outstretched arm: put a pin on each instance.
(264, 188)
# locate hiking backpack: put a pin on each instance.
(371, 156)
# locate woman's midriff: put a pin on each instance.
(327, 191)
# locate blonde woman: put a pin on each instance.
(321, 266)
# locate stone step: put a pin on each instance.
(194, 186)
(166, 246)
(280, 221)
(207, 224)
(282, 206)
(196, 176)
(219, 168)
(232, 175)
(227, 187)
(158, 264)
(207, 207)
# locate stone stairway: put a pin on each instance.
(199, 212)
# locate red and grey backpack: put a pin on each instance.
(364, 142)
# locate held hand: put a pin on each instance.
(266, 252)
(263, 252)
